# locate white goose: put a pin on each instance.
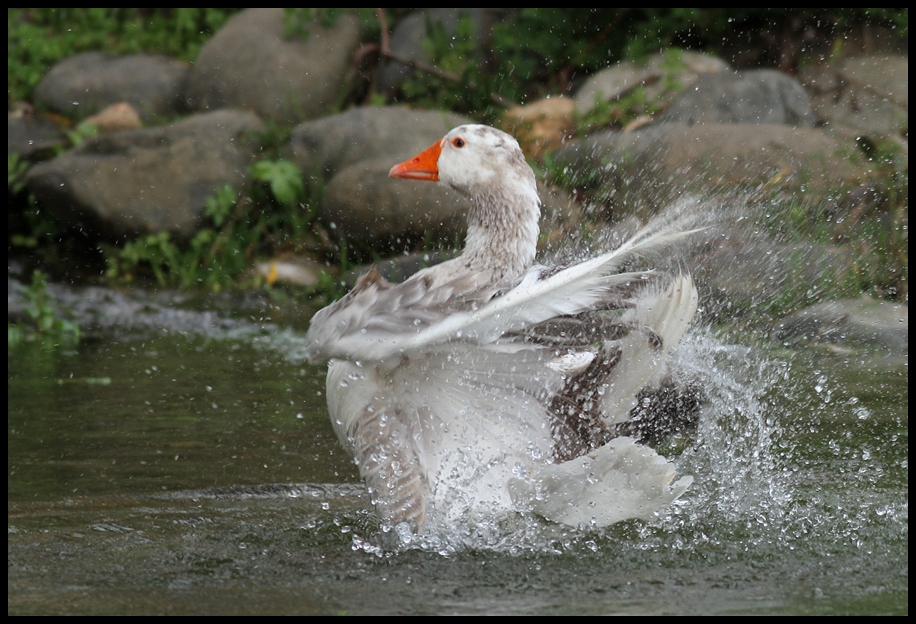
(487, 384)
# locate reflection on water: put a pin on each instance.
(183, 462)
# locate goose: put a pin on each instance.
(489, 384)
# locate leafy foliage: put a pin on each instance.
(283, 177)
(43, 320)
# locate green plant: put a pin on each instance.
(869, 241)
(615, 113)
(211, 258)
(297, 21)
(270, 216)
(579, 182)
(43, 320)
(882, 227)
(283, 177)
(83, 131)
(15, 168)
(532, 52)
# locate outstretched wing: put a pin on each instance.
(378, 320)
(371, 321)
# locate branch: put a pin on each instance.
(385, 50)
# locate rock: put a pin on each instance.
(762, 96)
(251, 63)
(745, 269)
(862, 321)
(657, 74)
(292, 271)
(121, 116)
(84, 84)
(646, 169)
(559, 215)
(868, 94)
(154, 180)
(362, 203)
(28, 134)
(333, 143)
(542, 126)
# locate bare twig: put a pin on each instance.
(415, 63)
(362, 51)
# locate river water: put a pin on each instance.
(181, 461)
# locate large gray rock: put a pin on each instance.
(662, 75)
(362, 203)
(84, 84)
(648, 168)
(745, 270)
(869, 94)
(250, 63)
(762, 96)
(154, 180)
(849, 321)
(395, 132)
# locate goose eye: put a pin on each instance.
(459, 142)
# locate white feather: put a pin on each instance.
(619, 481)
(667, 313)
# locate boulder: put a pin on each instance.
(762, 96)
(143, 181)
(251, 63)
(84, 84)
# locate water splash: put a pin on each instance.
(733, 457)
(734, 449)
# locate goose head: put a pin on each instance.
(472, 159)
(487, 166)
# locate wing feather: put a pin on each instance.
(378, 320)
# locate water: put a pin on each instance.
(181, 460)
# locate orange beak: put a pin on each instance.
(423, 166)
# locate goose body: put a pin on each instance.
(488, 383)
